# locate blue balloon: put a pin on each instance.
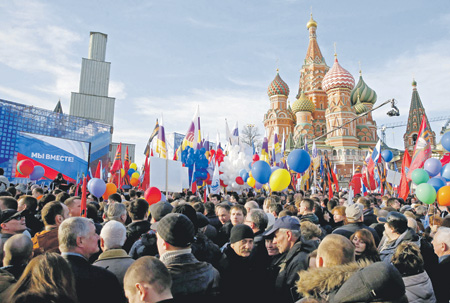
(38, 172)
(436, 183)
(387, 155)
(261, 171)
(298, 160)
(445, 172)
(242, 173)
(445, 141)
(245, 177)
(97, 187)
(130, 172)
(441, 178)
(432, 166)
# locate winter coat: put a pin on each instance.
(6, 280)
(369, 217)
(145, 246)
(311, 217)
(134, 232)
(46, 241)
(192, 280)
(116, 261)
(320, 282)
(294, 261)
(419, 288)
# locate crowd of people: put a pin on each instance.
(249, 247)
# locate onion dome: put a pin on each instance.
(278, 87)
(303, 104)
(311, 23)
(360, 107)
(337, 77)
(414, 83)
(366, 94)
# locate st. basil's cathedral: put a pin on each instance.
(327, 98)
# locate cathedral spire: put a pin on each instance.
(313, 55)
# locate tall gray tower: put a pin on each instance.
(92, 101)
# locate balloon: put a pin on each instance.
(130, 172)
(299, 160)
(387, 155)
(279, 180)
(274, 168)
(419, 176)
(251, 182)
(133, 166)
(239, 180)
(437, 183)
(445, 141)
(122, 172)
(97, 187)
(445, 172)
(111, 188)
(258, 185)
(152, 195)
(426, 193)
(255, 157)
(432, 166)
(443, 196)
(38, 172)
(25, 167)
(134, 181)
(261, 171)
(135, 175)
(242, 173)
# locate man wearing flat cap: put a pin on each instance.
(192, 280)
(12, 222)
(287, 237)
(355, 218)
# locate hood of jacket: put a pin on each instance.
(319, 282)
(419, 288)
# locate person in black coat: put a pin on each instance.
(441, 244)
(138, 211)
(78, 241)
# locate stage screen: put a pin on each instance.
(69, 157)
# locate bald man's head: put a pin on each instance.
(18, 250)
(335, 250)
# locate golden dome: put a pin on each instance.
(303, 104)
(311, 22)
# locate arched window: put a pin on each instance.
(347, 152)
(334, 153)
(353, 152)
(414, 137)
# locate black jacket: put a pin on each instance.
(94, 284)
(369, 217)
(134, 232)
(295, 260)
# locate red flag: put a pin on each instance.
(126, 163)
(445, 159)
(98, 171)
(422, 149)
(83, 212)
(117, 164)
(330, 187)
(146, 181)
(404, 186)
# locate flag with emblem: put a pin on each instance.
(161, 142)
(422, 149)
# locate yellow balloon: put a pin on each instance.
(135, 175)
(250, 174)
(122, 172)
(251, 182)
(279, 180)
(133, 166)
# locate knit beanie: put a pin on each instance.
(240, 232)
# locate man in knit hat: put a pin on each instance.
(193, 281)
(239, 274)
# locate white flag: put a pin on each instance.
(215, 182)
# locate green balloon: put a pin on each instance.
(426, 193)
(419, 176)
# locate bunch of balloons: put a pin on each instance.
(234, 168)
(25, 167)
(197, 163)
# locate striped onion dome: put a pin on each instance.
(337, 77)
(278, 87)
(303, 104)
(360, 107)
(366, 94)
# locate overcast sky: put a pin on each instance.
(167, 57)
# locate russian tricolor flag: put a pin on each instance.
(363, 189)
(374, 159)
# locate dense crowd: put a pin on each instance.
(249, 247)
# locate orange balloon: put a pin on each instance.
(111, 188)
(443, 196)
(134, 182)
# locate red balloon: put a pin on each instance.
(152, 195)
(255, 157)
(223, 184)
(239, 180)
(25, 167)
